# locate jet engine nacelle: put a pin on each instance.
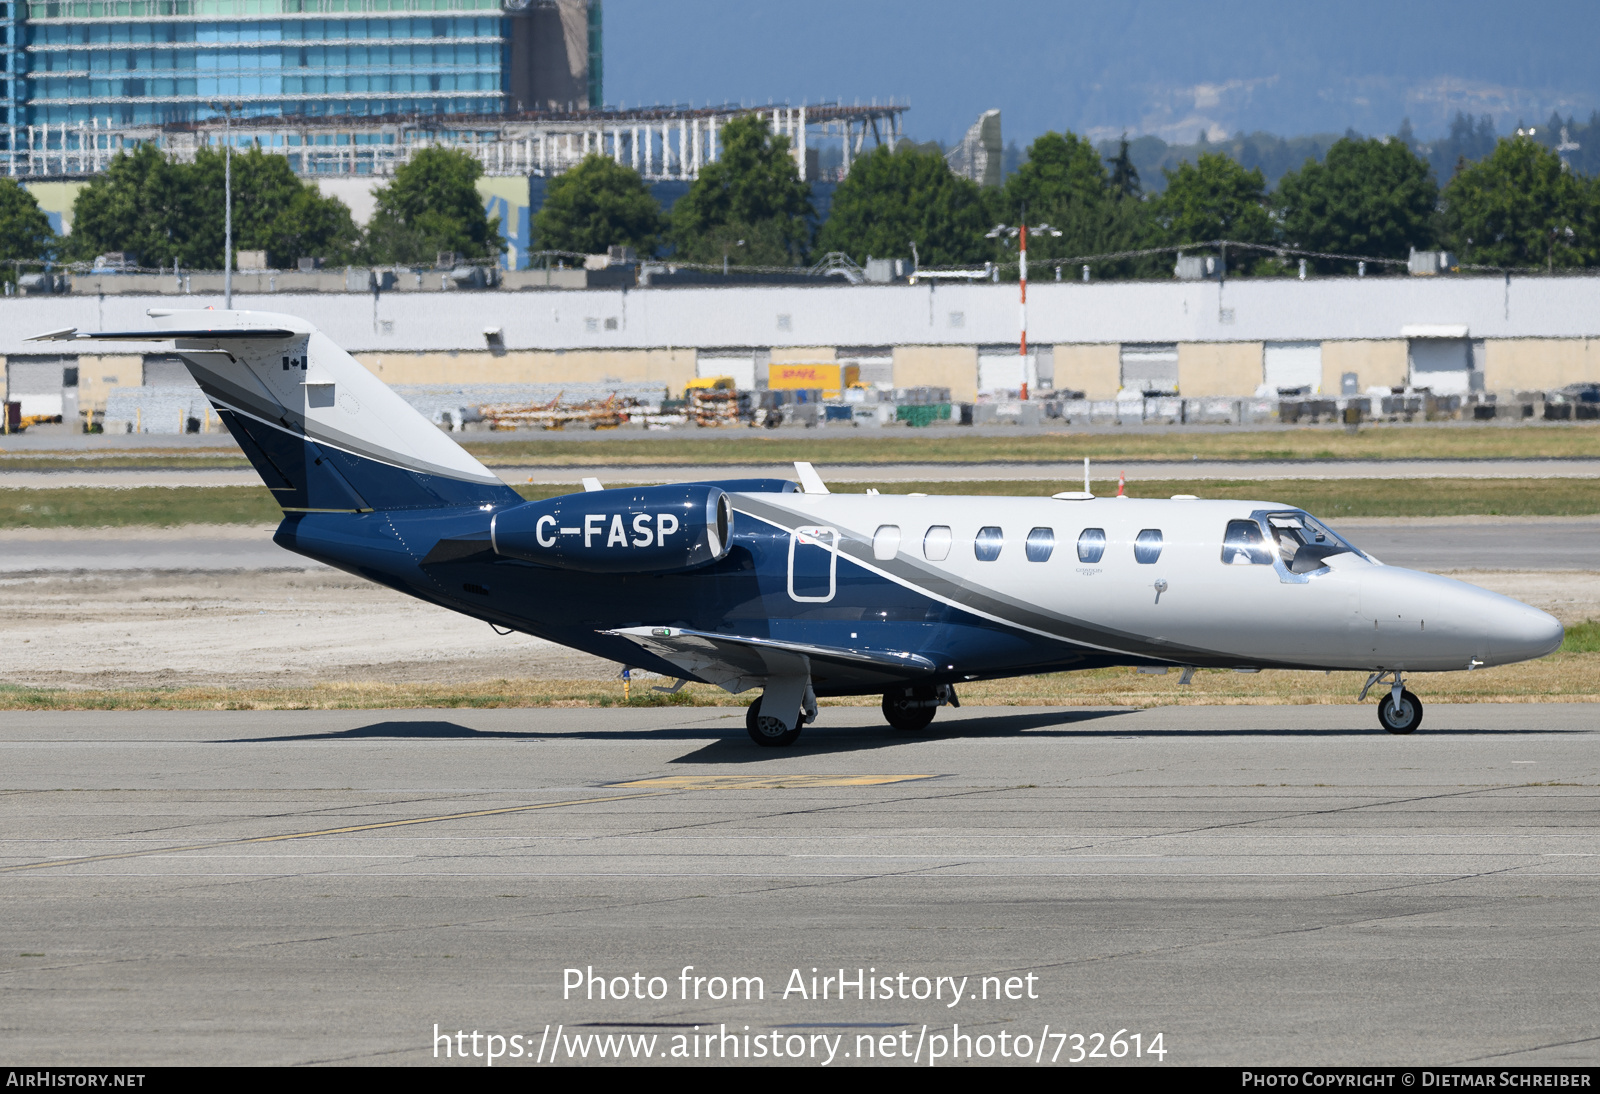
(654, 529)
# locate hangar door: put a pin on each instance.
(1150, 368)
(1292, 368)
(45, 385)
(1447, 366)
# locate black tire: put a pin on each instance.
(769, 732)
(906, 718)
(1404, 719)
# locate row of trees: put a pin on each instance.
(165, 211)
(1517, 207)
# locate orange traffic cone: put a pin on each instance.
(1122, 485)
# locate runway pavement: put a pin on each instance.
(1259, 885)
(1065, 472)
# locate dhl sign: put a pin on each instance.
(830, 376)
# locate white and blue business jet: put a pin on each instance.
(787, 588)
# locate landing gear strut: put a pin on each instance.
(769, 731)
(1399, 711)
(911, 710)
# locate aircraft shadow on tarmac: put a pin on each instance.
(444, 731)
(734, 747)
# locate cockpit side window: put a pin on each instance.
(1244, 545)
(1303, 542)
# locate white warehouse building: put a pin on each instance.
(1328, 336)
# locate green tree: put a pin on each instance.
(1124, 175)
(164, 211)
(273, 211)
(143, 203)
(1367, 197)
(1061, 170)
(433, 206)
(752, 192)
(309, 226)
(1213, 198)
(1518, 207)
(596, 205)
(893, 200)
(1064, 183)
(24, 230)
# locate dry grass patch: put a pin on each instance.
(956, 445)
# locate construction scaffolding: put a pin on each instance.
(660, 142)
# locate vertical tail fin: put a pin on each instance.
(323, 432)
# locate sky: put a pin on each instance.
(1172, 69)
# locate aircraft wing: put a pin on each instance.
(737, 663)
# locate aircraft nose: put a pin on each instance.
(1518, 632)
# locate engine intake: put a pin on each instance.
(651, 530)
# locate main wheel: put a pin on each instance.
(768, 731)
(911, 713)
(1403, 717)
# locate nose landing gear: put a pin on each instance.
(1399, 711)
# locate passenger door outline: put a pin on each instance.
(826, 538)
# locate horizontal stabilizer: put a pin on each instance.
(736, 663)
(72, 334)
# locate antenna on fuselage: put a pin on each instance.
(1086, 489)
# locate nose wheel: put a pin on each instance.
(1403, 716)
(1399, 711)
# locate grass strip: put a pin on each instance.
(955, 445)
(1396, 441)
(158, 506)
(162, 506)
(1565, 676)
(203, 459)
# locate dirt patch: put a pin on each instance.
(252, 630)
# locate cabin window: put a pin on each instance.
(936, 544)
(1244, 545)
(986, 545)
(1041, 543)
(886, 542)
(1091, 544)
(1147, 547)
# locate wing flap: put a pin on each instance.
(737, 662)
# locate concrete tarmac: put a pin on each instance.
(1064, 475)
(1258, 885)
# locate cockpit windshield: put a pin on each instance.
(1303, 541)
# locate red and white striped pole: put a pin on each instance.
(1022, 252)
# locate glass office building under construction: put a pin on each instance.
(115, 63)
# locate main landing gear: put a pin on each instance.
(911, 710)
(1399, 711)
(769, 731)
